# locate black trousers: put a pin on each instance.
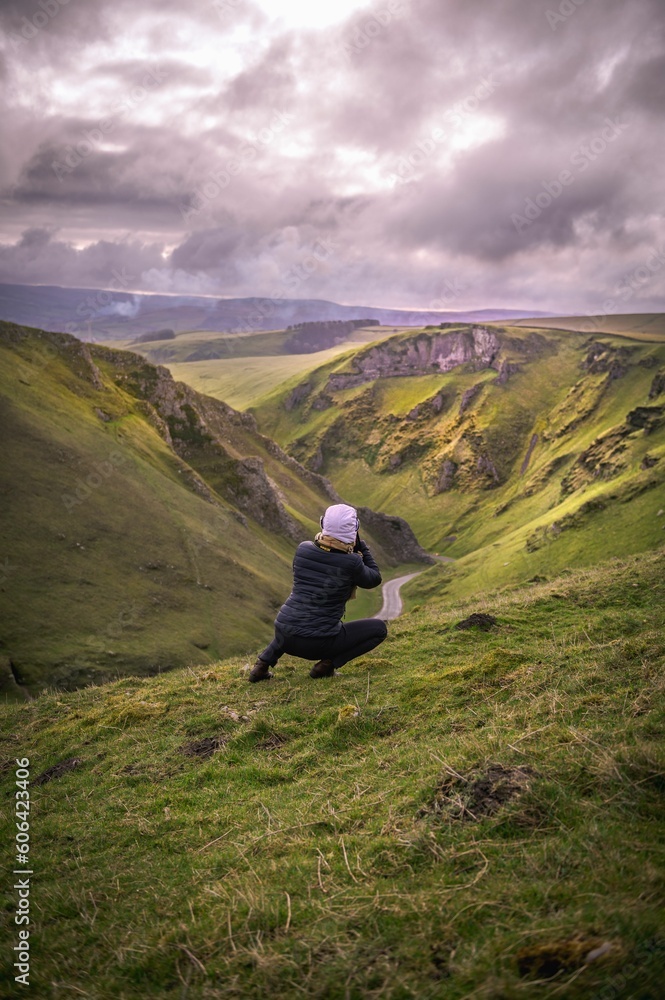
(353, 639)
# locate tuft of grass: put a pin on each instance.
(460, 813)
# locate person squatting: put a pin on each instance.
(326, 573)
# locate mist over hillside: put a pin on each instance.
(118, 313)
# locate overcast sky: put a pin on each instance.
(407, 153)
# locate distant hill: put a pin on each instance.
(154, 336)
(517, 451)
(105, 314)
(640, 326)
(307, 338)
(143, 526)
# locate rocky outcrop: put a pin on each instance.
(196, 427)
(605, 457)
(309, 476)
(646, 418)
(322, 402)
(657, 386)
(394, 535)
(487, 469)
(603, 358)
(250, 489)
(421, 354)
(446, 478)
(468, 397)
(297, 395)
(527, 458)
(506, 369)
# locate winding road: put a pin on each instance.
(392, 601)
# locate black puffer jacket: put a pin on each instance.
(322, 584)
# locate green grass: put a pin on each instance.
(329, 847)
(241, 382)
(637, 326)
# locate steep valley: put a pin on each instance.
(518, 452)
(143, 525)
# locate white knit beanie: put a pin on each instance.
(340, 521)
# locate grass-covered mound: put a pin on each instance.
(463, 813)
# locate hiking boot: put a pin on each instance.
(260, 672)
(324, 668)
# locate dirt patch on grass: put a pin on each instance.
(204, 748)
(482, 792)
(477, 620)
(58, 770)
(548, 958)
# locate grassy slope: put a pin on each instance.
(241, 382)
(491, 526)
(141, 573)
(638, 326)
(241, 368)
(304, 857)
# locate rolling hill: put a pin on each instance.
(517, 451)
(636, 326)
(143, 526)
(101, 314)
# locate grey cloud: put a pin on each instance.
(356, 113)
(38, 258)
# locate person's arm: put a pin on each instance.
(368, 575)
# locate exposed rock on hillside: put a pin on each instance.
(646, 417)
(601, 460)
(446, 477)
(195, 426)
(506, 369)
(469, 396)
(423, 354)
(296, 397)
(602, 358)
(657, 386)
(394, 535)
